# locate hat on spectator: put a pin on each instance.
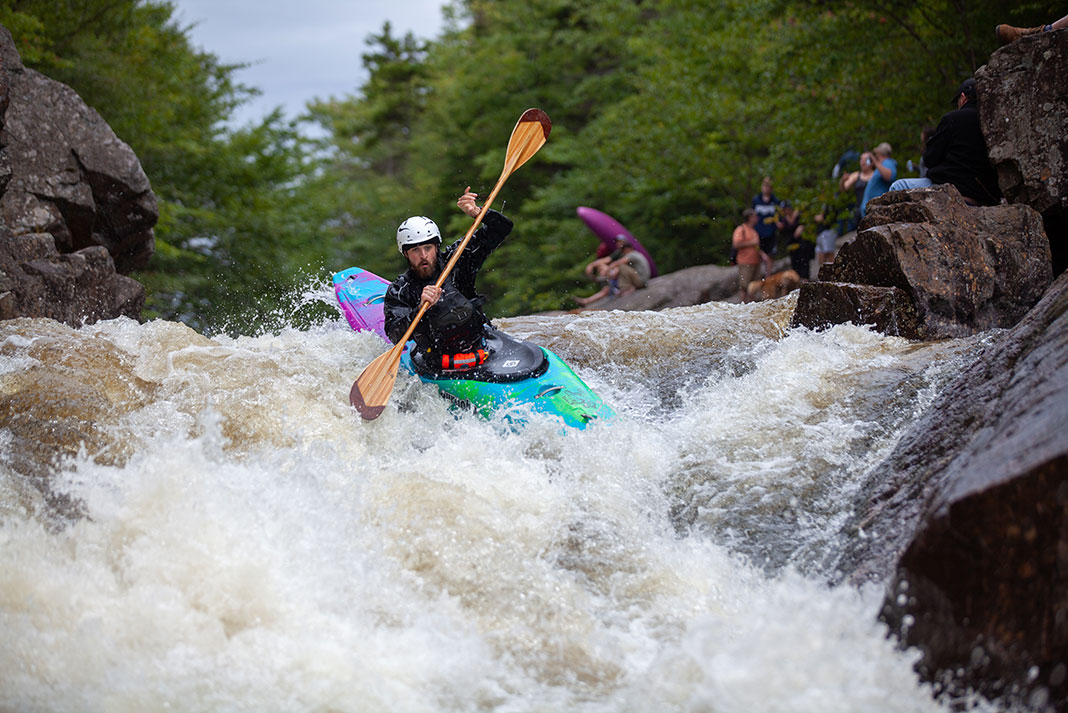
(883, 148)
(967, 88)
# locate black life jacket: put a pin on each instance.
(456, 323)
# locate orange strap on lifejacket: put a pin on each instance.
(466, 360)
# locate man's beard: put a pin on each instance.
(426, 270)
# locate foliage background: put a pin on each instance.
(666, 113)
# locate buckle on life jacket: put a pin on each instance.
(466, 360)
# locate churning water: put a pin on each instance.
(223, 533)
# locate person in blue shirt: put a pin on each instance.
(766, 206)
(885, 174)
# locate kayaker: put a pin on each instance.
(451, 335)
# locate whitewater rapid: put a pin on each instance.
(221, 531)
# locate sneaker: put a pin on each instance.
(1008, 33)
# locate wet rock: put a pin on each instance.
(36, 280)
(71, 390)
(683, 288)
(965, 269)
(968, 519)
(1023, 109)
(888, 309)
(64, 174)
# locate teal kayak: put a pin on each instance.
(515, 374)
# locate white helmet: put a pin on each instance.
(415, 230)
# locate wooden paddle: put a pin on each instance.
(372, 389)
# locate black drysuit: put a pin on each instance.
(455, 323)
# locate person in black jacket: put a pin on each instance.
(956, 153)
(451, 335)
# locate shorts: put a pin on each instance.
(746, 274)
(769, 243)
(629, 279)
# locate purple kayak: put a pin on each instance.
(608, 229)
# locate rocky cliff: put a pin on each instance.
(76, 209)
(967, 519)
(1024, 115)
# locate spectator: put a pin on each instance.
(767, 207)
(857, 181)
(632, 269)
(884, 174)
(746, 241)
(801, 249)
(956, 153)
(598, 270)
(1008, 33)
(620, 273)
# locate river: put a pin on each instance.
(224, 533)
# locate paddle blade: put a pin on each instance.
(370, 393)
(530, 134)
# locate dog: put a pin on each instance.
(778, 285)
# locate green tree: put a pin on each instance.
(365, 175)
(665, 113)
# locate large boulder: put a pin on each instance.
(887, 309)
(968, 519)
(64, 175)
(1023, 109)
(36, 280)
(964, 269)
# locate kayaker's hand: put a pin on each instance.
(431, 294)
(467, 203)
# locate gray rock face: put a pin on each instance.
(1024, 115)
(65, 176)
(36, 280)
(1023, 109)
(964, 269)
(968, 518)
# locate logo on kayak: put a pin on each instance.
(511, 364)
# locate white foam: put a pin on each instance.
(262, 548)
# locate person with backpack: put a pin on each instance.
(746, 241)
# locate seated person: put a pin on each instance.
(956, 153)
(622, 272)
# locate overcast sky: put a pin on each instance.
(299, 50)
